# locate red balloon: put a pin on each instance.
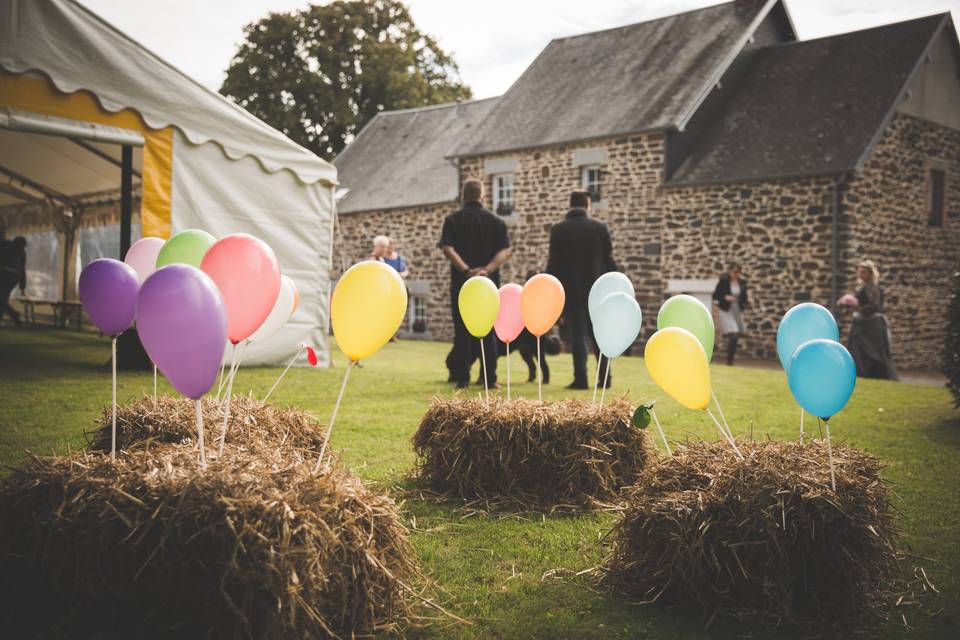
(246, 271)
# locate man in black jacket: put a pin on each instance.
(13, 272)
(475, 243)
(580, 252)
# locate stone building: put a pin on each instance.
(704, 137)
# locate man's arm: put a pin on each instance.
(498, 260)
(553, 257)
(608, 260)
(451, 254)
(23, 273)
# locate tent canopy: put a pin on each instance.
(79, 99)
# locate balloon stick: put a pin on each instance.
(723, 418)
(113, 433)
(833, 479)
(539, 374)
(606, 376)
(220, 383)
(801, 425)
(203, 453)
(283, 373)
(226, 401)
(660, 429)
(725, 434)
(483, 364)
(233, 358)
(596, 380)
(333, 417)
(508, 372)
(154, 381)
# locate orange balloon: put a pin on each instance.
(541, 303)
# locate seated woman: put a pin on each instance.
(869, 341)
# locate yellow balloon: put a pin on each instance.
(479, 303)
(677, 362)
(368, 305)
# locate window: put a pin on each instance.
(590, 181)
(936, 196)
(418, 314)
(503, 194)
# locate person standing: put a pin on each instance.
(729, 301)
(580, 252)
(380, 246)
(869, 341)
(475, 242)
(390, 256)
(13, 272)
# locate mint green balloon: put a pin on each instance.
(686, 312)
(186, 247)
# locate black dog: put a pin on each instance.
(526, 344)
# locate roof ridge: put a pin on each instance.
(635, 24)
(840, 34)
(430, 107)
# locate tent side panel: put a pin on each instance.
(224, 196)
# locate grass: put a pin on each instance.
(514, 574)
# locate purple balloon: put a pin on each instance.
(182, 323)
(108, 291)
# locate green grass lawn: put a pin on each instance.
(513, 574)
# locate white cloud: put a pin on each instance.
(493, 41)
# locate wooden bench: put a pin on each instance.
(64, 313)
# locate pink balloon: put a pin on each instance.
(246, 271)
(509, 322)
(142, 256)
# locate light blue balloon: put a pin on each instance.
(822, 376)
(617, 323)
(610, 282)
(804, 322)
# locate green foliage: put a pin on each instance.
(951, 350)
(321, 73)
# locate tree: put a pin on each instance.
(322, 73)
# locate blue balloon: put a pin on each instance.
(610, 282)
(822, 376)
(806, 321)
(617, 323)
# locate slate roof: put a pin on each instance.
(640, 77)
(813, 107)
(399, 158)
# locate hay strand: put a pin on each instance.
(569, 455)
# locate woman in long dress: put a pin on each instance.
(869, 341)
(729, 300)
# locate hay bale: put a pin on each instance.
(255, 546)
(171, 419)
(568, 454)
(764, 540)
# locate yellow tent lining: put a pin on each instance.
(40, 96)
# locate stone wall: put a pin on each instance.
(886, 220)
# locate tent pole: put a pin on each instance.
(126, 198)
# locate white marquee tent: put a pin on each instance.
(79, 99)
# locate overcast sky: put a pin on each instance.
(493, 41)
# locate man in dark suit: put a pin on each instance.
(13, 272)
(475, 243)
(580, 252)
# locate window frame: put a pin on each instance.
(417, 302)
(936, 219)
(495, 193)
(585, 182)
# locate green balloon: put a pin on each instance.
(641, 417)
(686, 312)
(186, 247)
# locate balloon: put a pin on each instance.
(182, 323)
(610, 282)
(108, 291)
(142, 256)
(186, 247)
(677, 362)
(822, 376)
(245, 270)
(617, 323)
(509, 322)
(367, 307)
(806, 321)
(479, 305)
(541, 303)
(688, 313)
(280, 314)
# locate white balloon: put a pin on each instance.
(282, 309)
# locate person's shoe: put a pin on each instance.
(578, 384)
(463, 385)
